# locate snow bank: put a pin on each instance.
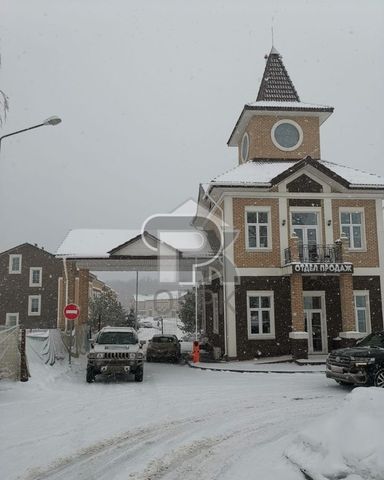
(348, 443)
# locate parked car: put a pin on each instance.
(146, 324)
(163, 347)
(362, 364)
(116, 350)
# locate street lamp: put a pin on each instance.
(23, 361)
(49, 121)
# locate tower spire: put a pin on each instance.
(276, 84)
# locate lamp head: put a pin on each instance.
(52, 121)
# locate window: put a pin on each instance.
(215, 312)
(35, 276)
(352, 226)
(34, 305)
(287, 135)
(257, 228)
(245, 147)
(362, 315)
(11, 319)
(260, 314)
(15, 264)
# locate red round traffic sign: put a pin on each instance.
(71, 311)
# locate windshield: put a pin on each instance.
(117, 338)
(373, 340)
(163, 339)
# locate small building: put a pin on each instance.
(163, 304)
(305, 270)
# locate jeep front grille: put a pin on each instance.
(117, 355)
(339, 360)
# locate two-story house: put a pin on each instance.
(33, 288)
(308, 265)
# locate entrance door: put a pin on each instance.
(305, 226)
(315, 324)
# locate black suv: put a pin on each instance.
(362, 364)
(163, 347)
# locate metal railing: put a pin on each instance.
(315, 254)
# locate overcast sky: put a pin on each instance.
(149, 92)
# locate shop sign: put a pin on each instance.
(323, 268)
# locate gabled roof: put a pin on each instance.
(276, 84)
(25, 245)
(269, 172)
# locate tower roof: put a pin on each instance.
(276, 84)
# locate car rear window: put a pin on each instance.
(163, 339)
(117, 338)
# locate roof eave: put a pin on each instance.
(322, 112)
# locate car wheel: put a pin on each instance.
(379, 378)
(139, 375)
(90, 375)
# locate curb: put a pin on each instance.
(213, 369)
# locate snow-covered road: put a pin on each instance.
(180, 423)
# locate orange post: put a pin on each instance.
(196, 352)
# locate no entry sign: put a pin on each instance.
(71, 311)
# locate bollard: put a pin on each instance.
(196, 352)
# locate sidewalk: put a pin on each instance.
(271, 365)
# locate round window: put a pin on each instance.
(245, 147)
(287, 135)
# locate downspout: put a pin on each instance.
(224, 276)
(66, 286)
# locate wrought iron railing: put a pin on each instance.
(315, 254)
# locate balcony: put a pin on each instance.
(315, 254)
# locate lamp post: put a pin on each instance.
(23, 361)
(49, 121)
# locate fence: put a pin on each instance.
(9, 353)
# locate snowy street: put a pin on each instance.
(179, 423)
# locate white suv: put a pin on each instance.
(115, 350)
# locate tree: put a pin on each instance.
(105, 309)
(187, 311)
(4, 105)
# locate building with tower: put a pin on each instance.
(305, 272)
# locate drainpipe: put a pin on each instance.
(66, 286)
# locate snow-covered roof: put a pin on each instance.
(98, 243)
(94, 243)
(263, 172)
(284, 105)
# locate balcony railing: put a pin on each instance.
(315, 254)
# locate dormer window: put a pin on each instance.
(287, 135)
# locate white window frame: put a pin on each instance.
(257, 209)
(351, 210)
(244, 158)
(362, 293)
(11, 257)
(8, 316)
(319, 225)
(277, 144)
(261, 336)
(31, 270)
(30, 299)
(215, 313)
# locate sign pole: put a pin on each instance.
(71, 312)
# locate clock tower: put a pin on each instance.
(278, 126)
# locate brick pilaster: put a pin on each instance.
(83, 295)
(347, 303)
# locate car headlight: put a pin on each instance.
(132, 356)
(139, 355)
(91, 355)
(100, 355)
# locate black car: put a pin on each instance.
(362, 364)
(164, 347)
